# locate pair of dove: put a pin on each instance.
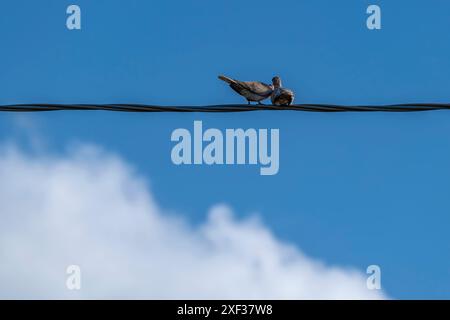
(258, 91)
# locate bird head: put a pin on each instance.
(276, 81)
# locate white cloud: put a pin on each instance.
(90, 209)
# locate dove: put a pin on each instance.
(280, 95)
(250, 90)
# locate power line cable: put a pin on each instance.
(406, 107)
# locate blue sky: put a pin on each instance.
(353, 189)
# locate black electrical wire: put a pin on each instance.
(406, 107)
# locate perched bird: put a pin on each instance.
(280, 95)
(250, 90)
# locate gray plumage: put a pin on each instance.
(250, 90)
(281, 96)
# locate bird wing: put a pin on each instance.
(282, 96)
(256, 87)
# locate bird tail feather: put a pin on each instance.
(226, 79)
